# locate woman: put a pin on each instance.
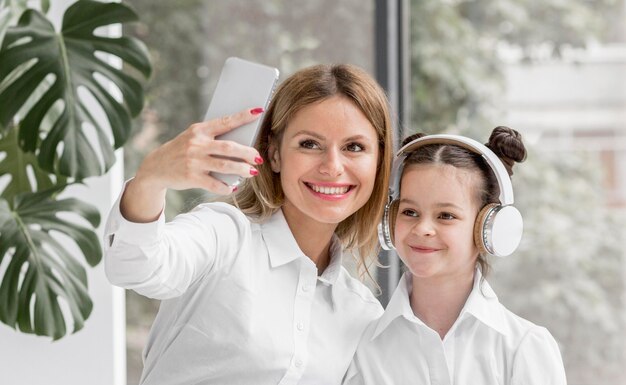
(253, 289)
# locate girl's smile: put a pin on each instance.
(424, 249)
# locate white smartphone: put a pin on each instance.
(242, 84)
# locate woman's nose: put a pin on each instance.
(332, 163)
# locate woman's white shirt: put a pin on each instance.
(241, 303)
(487, 344)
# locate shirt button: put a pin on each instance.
(298, 363)
(306, 288)
(300, 326)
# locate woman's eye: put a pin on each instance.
(409, 213)
(309, 144)
(355, 147)
(446, 216)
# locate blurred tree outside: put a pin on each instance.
(457, 73)
(568, 274)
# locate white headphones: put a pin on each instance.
(498, 227)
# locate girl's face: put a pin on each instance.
(435, 221)
(327, 162)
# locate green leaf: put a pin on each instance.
(45, 6)
(16, 163)
(5, 19)
(68, 60)
(42, 273)
(10, 10)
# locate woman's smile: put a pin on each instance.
(330, 191)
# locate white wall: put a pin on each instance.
(584, 92)
(96, 355)
(575, 104)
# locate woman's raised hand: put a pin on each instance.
(186, 161)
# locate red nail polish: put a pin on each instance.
(235, 188)
(254, 171)
(258, 160)
(256, 111)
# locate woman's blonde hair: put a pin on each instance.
(261, 196)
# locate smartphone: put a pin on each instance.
(242, 84)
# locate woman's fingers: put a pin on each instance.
(219, 126)
(188, 160)
(233, 150)
(207, 182)
(229, 166)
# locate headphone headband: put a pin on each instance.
(504, 182)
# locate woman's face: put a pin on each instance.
(327, 162)
(434, 229)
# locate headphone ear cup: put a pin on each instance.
(498, 230)
(386, 225)
(479, 228)
(393, 213)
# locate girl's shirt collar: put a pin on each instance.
(482, 304)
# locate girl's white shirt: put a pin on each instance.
(241, 303)
(487, 345)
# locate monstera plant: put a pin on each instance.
(50, 138)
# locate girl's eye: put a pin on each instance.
(309, 144)
(446, 216)
(355, 147)
(409, 213)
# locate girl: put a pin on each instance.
(444, 324)
(253, 288)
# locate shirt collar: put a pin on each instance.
(281, 245)
(283, 248)
(331, 274)
(482, 304)
(398, 306)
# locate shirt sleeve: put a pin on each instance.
(162, 260)
(538, 360)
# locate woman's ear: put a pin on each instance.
(274, 156)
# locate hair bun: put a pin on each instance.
(507, 144)
(411, 138)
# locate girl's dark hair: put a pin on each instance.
(505, 142)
